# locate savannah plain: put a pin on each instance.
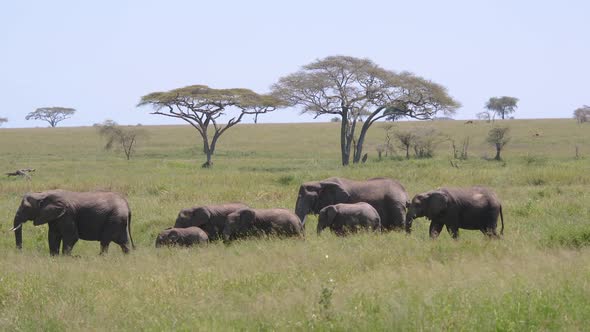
(536, 278)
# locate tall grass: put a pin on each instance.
(536, 278)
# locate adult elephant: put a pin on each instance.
(92, 216)
(468, 208)
(210, 218)
(386, 195)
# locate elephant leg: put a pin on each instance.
(111, 233)
(54, 239)
(124, 247)
(68, 245)
(104, 246)
(69, 235)
(490, 232)
(454, 231)
(435, 229)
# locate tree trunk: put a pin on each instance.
(408, 151)
(343, 138)
(498, 149)
(211, 150)
(359, 144)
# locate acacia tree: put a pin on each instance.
(502, 105)
(124, 137)
(485, 115)
(498, 137)
(202, 106)
(357, 89)
(582, 114)
(3, 120)
(52, 115)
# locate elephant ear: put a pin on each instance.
(50, 209)
(335, 191)
(247, 216)
(437, 204)
(200, 216)
(330, 214)
(325, 218)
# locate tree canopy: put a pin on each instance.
(582, 114)
(498, 137)
(3, 120)
(358, 89)
(202, 107)
(123, 137)
(502, 106)
(52, 115)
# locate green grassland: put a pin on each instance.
(536, 278)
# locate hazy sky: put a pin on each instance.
(100, 57)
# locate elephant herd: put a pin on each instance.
(344, 206)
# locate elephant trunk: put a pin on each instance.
(226, 235)
(320, 228)
(158, 242)
(409, 218)
(18, 230)
(301, 210)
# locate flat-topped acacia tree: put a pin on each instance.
(202, 106)
(52, 115)
(358, 89)
(3, 120)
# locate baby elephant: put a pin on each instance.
(259, 222)
(349, 218)
(184, 237)
(468, 208)
(210, 218)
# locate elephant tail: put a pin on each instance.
(129, 230)
(502, 219)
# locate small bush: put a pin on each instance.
(286, 180)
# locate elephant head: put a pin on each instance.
(314, 196)
(192, 217)
(238, 223)
(39, 207)
(431, 205)
(167, 237)
(326, 218)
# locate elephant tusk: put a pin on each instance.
(17, 227)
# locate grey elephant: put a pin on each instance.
(475, 208)
(184, 237)
(92, 216)
(387, 196)
(344, 218)
(259, 222)
(210, 218)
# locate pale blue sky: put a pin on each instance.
(100, 57)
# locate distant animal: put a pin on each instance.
(259, 222)
(184, 237)
(469, 122)
(387, 196)
(475, 208)
(25, 172)
(93, 216)
(210, 218)
(343, 219)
